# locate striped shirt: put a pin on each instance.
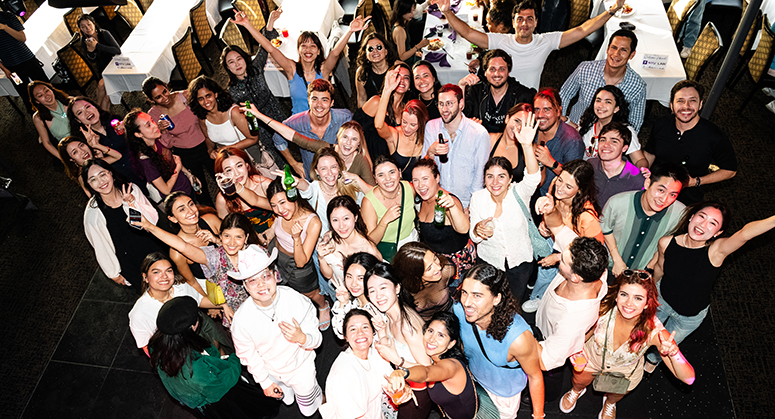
(12, 51)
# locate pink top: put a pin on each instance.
(186, 133)
(284, 239)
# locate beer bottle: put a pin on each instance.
(439, 212)
(252, 120)
(290, 191)
(442, 157)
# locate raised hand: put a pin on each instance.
(296, 229)
(92, 138)
(392, 80)
(526, 132)
(326, 244)
(359, 24)
(206, 236)
(274, 15)
(342, 295)
(443, 5)
(126, 195)
(446, 200)
(240, 18)
(178, 162)
(667, 347)
(468, 80)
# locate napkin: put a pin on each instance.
(453, 35)
(437, 57)
(432, 32)
(434, 9)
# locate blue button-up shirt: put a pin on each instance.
(300, 123)
(463, 173)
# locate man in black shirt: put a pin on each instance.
(16, 57)
(687, 139)
(489, 101)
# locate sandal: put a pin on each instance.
(324, 325)
(571, 398)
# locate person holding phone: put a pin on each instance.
(74, 152)
(120, 247)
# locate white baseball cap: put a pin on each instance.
(252, 260)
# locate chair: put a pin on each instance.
(231, 35)
(579, 12)
(76, 64)
(144, 5)
(185, 59)
(677, 13)
(131, 13)
(110, 11)
(760, 62)
(202, 31)
(708, 44)
(255, 16)
(71, 19)
(379, 19)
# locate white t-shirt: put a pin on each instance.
(142, 318)
(527, 59)
(592, 152)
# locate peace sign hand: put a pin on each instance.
(667, 347)
(126, 191)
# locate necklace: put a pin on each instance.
(390, 200)
(262, 310)
(360, 361)
(163, 300)
(685, 236)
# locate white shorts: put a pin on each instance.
(507, 406)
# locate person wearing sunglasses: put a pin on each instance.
(375, 56)
(627, 326)
(609, 105)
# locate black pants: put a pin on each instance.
(518, 277)
(28, 71)
(197, 161)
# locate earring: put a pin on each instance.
(340, 176)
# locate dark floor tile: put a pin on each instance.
(172, 409)
(65, 391)
(103, 289)
(129, 394)
(95, 333)
(130, 357)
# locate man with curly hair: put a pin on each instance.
(502, 353)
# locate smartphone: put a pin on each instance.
(16, 79)
(234, 5)
(135, 217)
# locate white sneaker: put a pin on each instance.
(608, 411)
(570, 398)
(531, 306)
(771, 106)
(769, 91)
(685, 52)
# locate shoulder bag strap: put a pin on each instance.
(479, 340)
(400, 217)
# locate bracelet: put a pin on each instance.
(542, 416)
(402, 362)
(406, 372)
(109, 150)
(698, 182)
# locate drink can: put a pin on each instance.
(116, 124)
(165, 117)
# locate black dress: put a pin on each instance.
(518, 172)
(131, 244)
(376, 144)
(374, 82)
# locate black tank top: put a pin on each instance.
(196, 269)
(373, 85)
(518, 172)
(689, 278)
(455, 406)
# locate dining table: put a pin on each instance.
(655, 37)
(149, 46)
(452, 64)
(318, 16)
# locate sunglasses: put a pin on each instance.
(371, 49)
(642, 275)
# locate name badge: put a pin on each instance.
(655, 61)
(123, 63)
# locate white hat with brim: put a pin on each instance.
(252, 260)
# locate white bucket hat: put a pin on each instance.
(252, 260)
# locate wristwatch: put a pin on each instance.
(555, 165)
(406, 372)
(698, 182)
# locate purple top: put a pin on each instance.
(150, 172)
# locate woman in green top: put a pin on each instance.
(196, 374)
(50, 117)
(386, 206)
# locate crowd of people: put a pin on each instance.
(419, 229)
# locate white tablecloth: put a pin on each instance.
(6, 86)
(298, 16)
(456, 49)
(149, 47)
(654, 37)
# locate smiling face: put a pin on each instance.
(85, 113)
(320, 104)
(436, 339)
(100, 179)
(382, 293)
(409, 125)
(235, 168)
(605, 105)
(184, 212)
(328, 170)
(343, 222)
(149, 131)
(404, 81)
(353, 279)
(497, 73)
(660, 193)
(207, 99)
(432, 266)
(525, 24)
(160, 95)
(514, 122)
(87, 27)
(308, 51)
(546, 114)
(45, 96)
(282, 206)
(423, 79)
(236, 64)
(79, 152)
(262, 287)
(359, 334)
(233, 240)
(375, 50)
(497, 180)
(387, 176)
(160, 276)
(349, 142)
(477, 301)
(619, 52)
(631, 300)
(686, 105)
(610, 146)
(425, 183)
(449, 106)
(565, 187)
(705, 224)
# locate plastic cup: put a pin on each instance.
(439, 30)
(397, 396)
(285, 32)
(227, 185)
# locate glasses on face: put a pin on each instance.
(447, 104)
(371, 49)
(98, 177)
(265, 276)
(641, 275)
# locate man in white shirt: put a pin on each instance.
(529, 51)
(275, 333)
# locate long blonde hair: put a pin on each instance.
(351, 189)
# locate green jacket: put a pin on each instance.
(212, 378)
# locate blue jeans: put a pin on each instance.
(544, 278)
(325, 287)
(682, 325)
(691, 30)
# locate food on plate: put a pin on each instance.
(435, 44)
(276, 43)
(626, 9)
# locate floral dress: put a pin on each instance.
(218, 264)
